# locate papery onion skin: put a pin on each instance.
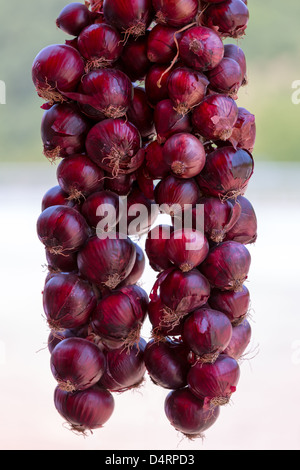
(167, 363)
(113, 144)
(176, 14)
(184, 292)
(226, 173)
(156, 74)
(215, 117)
(229, 19)
(55, 337)
(119, 316)
(134, 60)
(140, 113)
(188, 414)
(215, 383)
(137, 270)
(85, 410)
(101, 205)
(155, 315)
(227, 266)
(56, 69)
(125, 370)
(207, 332)
(154, 161)
(62, 229)
(77, 364)
(155, 247)
(63, 131)
(161, 46)
(244, 131)
(168, 121)
(226, 77)
(54, 196)
(172, 194)
(186, 88)
(78, 176)
(100, 44)
(184, 154)
(68, 301)
(120, 184)
(73, 18)
(201, 48)
(234, 304)
(236, 53)
(66, 262)
(107, 261)
(187, 248)
(106, 92)
(245, 229)
(240, 340)
(131, 17)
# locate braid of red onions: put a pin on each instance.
(140, 111)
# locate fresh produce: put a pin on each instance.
(142, 118)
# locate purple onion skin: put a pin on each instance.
(85, 410)
(125, 370)
(241, 337)
(245, 229)
(167, 363)
(188, 414)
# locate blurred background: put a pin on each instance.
(264, 413)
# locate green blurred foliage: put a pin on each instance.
(272, 47)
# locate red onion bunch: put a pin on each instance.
(141, 116)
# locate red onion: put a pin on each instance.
(168, 121)
(226, 77)
(226, 173)
(55, 196)
(215, 383)
(186, 88)
(63, 131)
(156, 318)
(77, 364)
(73, 18)
(100, 45)
(102, 210)
(175, 14)
(154, 161)
(66, 262)
(234, 304)
(145, 182)
(187, 248)
(161, 44)
(85, 410)
(172, 194)
(131, 17)
(55, 337)
(184, 154)
(57, 69)
(155, 291)
(241, 337)
(138, 268)
(181, 293)
(140, 113)
(134, 60)
(68, 301)
(245, 229)
(236, 53)
(215, 117)
(125, 369)
(156, 82)
(120, 184)
(78, 176)
(155, 247)
(62, 229)
(119, 316)
(114, 144)
(141, 214)
(201, 48)
(107, 261)
(207, 333)
(188, 414)
(229, 18)
(227, 266)
(167, 363)
(219, 217)
(244, 131)
(109, 92)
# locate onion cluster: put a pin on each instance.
(141, 114)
